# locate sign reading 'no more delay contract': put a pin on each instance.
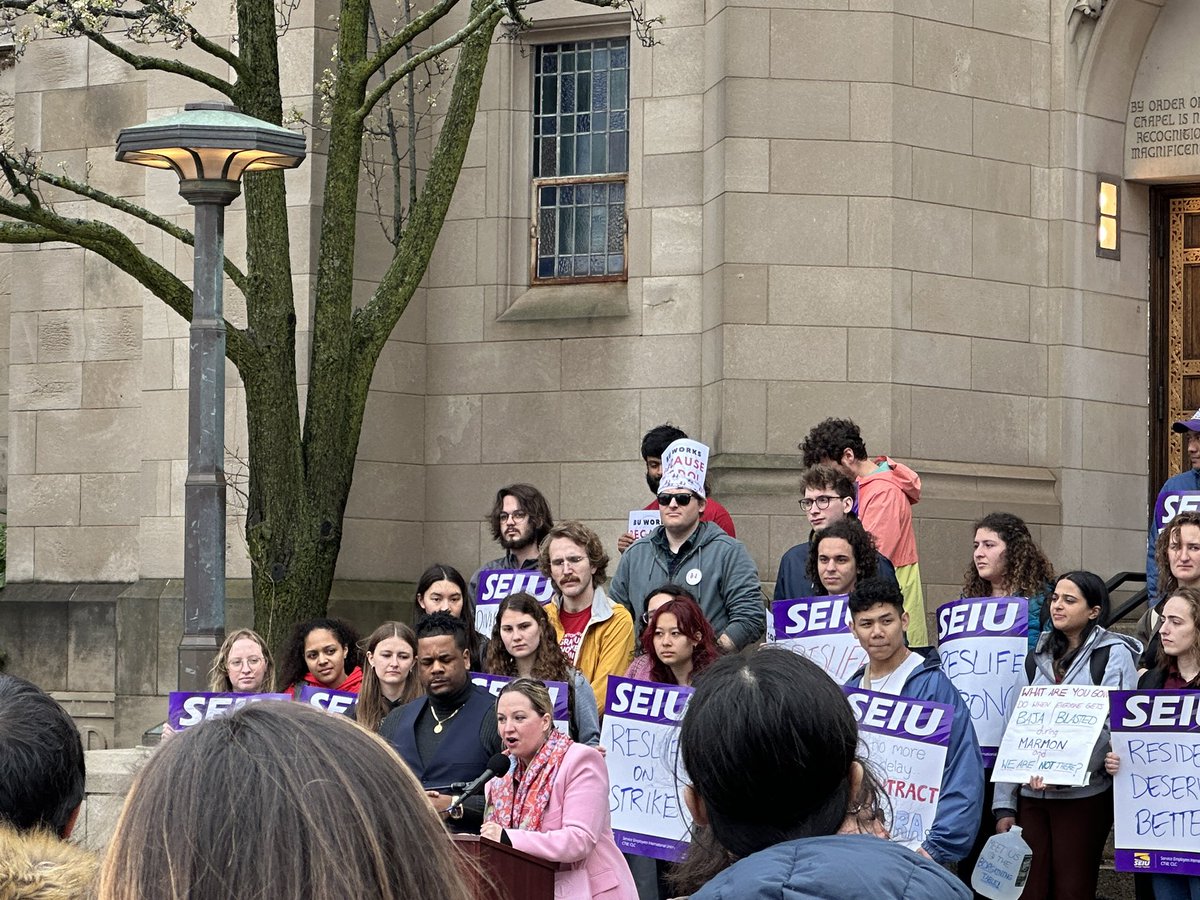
(906, 742)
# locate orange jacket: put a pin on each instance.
(885, 502)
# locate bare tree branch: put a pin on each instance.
(236, 275)
(474, 24)
(158, 63)
(42, 225)
(406, 35)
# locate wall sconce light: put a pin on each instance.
(1108, 217)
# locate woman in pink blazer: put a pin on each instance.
(553, 802)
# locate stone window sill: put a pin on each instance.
(608, 299)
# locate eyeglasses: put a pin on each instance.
(680, 499)
(252, 661)
(519, 516)
(574, 561)
(821, 502)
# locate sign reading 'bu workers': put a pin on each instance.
(496, 584)
(819, 628)
(982, 644)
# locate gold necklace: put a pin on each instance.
(437, 729)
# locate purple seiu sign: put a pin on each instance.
(645, 773)
(906, 742)
(496, 584)
(819, 628)
(494, 684)
(1156, 791)
(336, 702)
(187, 708)
(1171, 503)
(982, 644)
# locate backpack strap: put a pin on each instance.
(1098, 663)
(1030, 664)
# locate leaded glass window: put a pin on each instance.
(580, 160)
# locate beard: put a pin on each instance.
(653, 482)
(520, 542)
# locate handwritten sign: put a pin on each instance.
(982, 643)
(496, 584)
(1051, 734)
(1170, 503)
(906, 741)
(336, 702)
(1156, 791)
(819, 628)
(645, 774)
(643, 521)
(187, 708)
(494, 684)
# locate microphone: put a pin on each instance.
(497, 765)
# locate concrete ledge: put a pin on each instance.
(110, 775)
(569, 301)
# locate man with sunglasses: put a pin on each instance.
(715, 567)
(828, 498)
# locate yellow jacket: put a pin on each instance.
(607, 644)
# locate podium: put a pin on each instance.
(508, 873)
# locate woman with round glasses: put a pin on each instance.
(243, 665)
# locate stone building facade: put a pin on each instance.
(880, 209)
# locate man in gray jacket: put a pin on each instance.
(716, 568)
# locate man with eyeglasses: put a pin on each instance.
(520, 518)
(828, 498)
(595, 635)
(715, 567)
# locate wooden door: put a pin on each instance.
(1174, 325)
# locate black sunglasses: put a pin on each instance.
(680, 499)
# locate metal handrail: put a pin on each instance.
(1133, 602)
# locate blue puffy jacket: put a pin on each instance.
(960, 806)
(836, 867)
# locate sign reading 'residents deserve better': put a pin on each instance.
(645, 773)
(1156, 791)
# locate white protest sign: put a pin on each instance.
(1051, 734)
(641, 732)
(819, 628)
(1156, 791)
(643, 521)
(494, 684)
(906, 743)
(982, 644)
(496, 584)
(684, 465)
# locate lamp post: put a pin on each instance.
(209, 146)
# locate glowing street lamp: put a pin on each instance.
(209, 146)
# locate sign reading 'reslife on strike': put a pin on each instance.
(1156, 791)
(185, 708)
(1051, 734)
(819, 628)
(906, 743)
(496, 584)
(645, 773)
(982, 643)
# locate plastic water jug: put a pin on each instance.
(1003, 866)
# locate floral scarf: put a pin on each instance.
(521, 797)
